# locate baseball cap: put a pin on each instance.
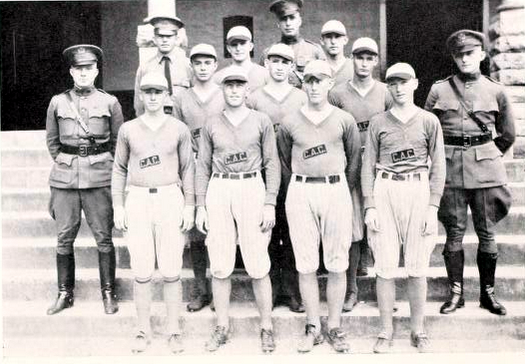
(281, 50)
(285, 7)
(400, 70)
(333, 26)
(465, 40)
(365, 44)
(234, 73)
(153, 80)
(203, 49)
(318, 69)
(238, 32)
(82, 54)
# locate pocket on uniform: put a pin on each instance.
(489, 166)
(484, 106)
(62, 170)
(67, 122)
(101, 167)
(445, 105)
(99, 122)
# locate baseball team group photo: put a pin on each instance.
(283, 181)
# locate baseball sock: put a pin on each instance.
(417, 296)
(221, 296)
(262, 290)
(142, 297)
(335, 295)
(172, 299)
(386, 295)
(310, 292)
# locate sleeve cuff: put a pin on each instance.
(434, 199)
(189, 199)
(118, 200)
(369, 202)
(201, 200)
(270, 199)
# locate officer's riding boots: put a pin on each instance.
(291, 286)
(200, 295)
(106, 266)
(454, 262)
(66, 283)
(487, 269)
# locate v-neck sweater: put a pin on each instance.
(397, 147)
(153, 158)
(247, 147)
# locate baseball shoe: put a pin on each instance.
(311, 337)
(140, 342)
(420, 341)
(198, 303)
(219, 337)
(383, 344)
(350, 303)
(267, 341)
(337, 338)
(295, 305)
(175, 343)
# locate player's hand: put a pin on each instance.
(201, 219)
(429, 225)
(187, 221)
(371, 220)
(268, 218)
(120, 219)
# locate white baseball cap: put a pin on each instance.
(234, 73)
(281, 50)
(203, 49)
(365, 44)
(239, 32)
(317, 68)
(400, 70)
(154, 80)
(333, 26)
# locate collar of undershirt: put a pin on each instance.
(399, 122)
(359, 91)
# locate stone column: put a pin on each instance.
(507, 47)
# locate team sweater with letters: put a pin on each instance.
(397, 147)
(249, 146)
(345, 73)
(362, 108)
(194, 113)
(328, 148)
(153, 158)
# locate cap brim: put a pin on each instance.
(152, 20)
(364, 49)
(234, 78)
(165, 32)
(465, 48)
(316, 75)
(203, 54)
(154, 87)
(280, 55)
(83, 63)
(401, 75)
(238, 37)
(339, 32)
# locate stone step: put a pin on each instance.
(21, 139)
(40, 224)
(471, 322)
(40, 284)
(26, 178)
(35, 253)
(30, 157)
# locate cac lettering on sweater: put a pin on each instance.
(314, 151)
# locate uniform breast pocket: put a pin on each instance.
(489, 166)
(447, 106)
(99, 122)
(62, 170)
(101, 166)
(67, 122)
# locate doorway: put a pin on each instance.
(417, 31)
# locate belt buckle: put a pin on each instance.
(332, 179)
(467, 141)
(153, 190)
(83, 150)
(398, 177)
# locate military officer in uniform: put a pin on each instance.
(478, 127)
(81, 128)
(170, 60)
(289, 22)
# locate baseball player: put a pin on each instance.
(194, 106)
(289, 22)
(276, 99)
(362, 96)
(169, 60)
(319, 144)
(401, 197)
(81, 130)
(333, 41)
(234, 204)
(239, 44)
(478, 127)
(154, 154)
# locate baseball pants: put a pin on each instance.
(153, 216)
(401, 209)
(318, 211)
(235, 202)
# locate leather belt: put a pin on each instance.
(401, 177)
(327, 179)
(467, 140)
(235, 175)
(85, 150)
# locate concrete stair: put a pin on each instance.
(29, 284)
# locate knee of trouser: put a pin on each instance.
(169, 271)
(489, 247)
(385, 273)
(416, 272)
(221, 273)
(172, 279)
(453, 245)
(258, 273)
(142, 280)
(105, 246)
(65, 248)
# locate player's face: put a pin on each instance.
(364, 64)
(165, 43)
(240, 49)
(317, 89)
(402, 90)
(85, 75)
(153, 99)
(290, 25)
(334, 43)
(235, 92)
(279, 68)
(203, 67)
(469, 61)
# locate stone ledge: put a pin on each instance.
(509, 77)
(504, 61)
(511, 43)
